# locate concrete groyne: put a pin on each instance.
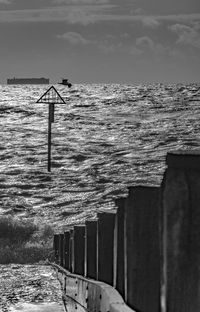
(143, 257)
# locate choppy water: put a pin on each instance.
(106, 137)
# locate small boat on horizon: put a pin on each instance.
(65, 82)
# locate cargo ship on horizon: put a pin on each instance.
(14, 80)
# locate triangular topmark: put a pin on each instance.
(51, 96)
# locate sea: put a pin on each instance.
(106, 138)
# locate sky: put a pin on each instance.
(101, 41)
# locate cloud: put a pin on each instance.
(187, 35)
(73, 38)
(150, 22)
(81, 1)
(109, 47)
(82, 14)
(145, 45)
(89, 11)
(156, 18)
(139, 11)
(4, 2)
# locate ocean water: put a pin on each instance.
(104, 139)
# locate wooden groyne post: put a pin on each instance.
(61, 251)
(105, 247)
(142, 249)
(91, 249)
(79, 249)
(56, 247)
(66, 250)
(119, 269)
(71, 251)
(181, 232)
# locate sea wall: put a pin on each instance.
(81, 294)
(146, 252)
(181, 232)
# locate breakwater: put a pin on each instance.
(147, 250)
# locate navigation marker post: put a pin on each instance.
(51, 97)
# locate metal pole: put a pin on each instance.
(49, 140)
(51, 97)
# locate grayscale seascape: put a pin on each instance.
(96, 214)
(104, 139)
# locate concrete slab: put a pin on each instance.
(37, 307)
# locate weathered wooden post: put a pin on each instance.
(79, 249)
(119, 277)
(91, 249)
(71, 251)
(142, 249)
(105, 247)
(181, 232)
(56, 247)
(66, 249)
(61, 255)
(51, 97)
